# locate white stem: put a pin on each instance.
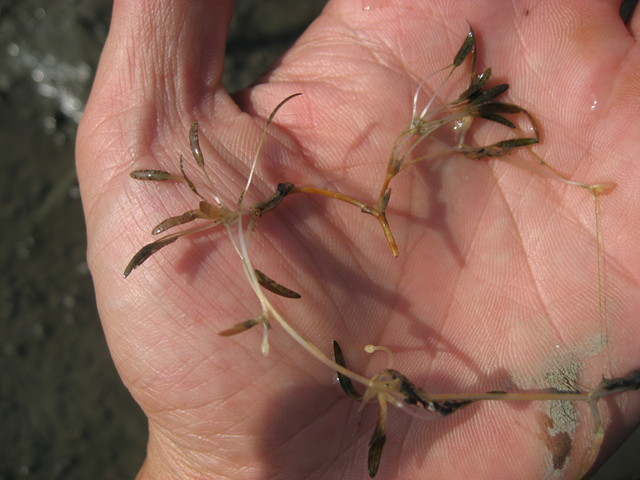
(419, 89)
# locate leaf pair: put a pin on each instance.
(215, 215)
(389, 386)
(379, 437)
(270, 285)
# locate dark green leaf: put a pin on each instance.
(177, 220)
(153, 175)
(497, 149)
(145, 252)
(494, 117)
(517, 142)
(631, 381)
(475, 85)
(499, 107)
(449, 406)
(274, 286)
(490, 94)
(376, 444)
(187, 179)
(195, 145)
(482, 78)
(467, 46)
(240, 327)
(412, 395)
(345, 382)
(282, 190)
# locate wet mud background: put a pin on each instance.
(64, 413)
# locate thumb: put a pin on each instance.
(167, 53)
(161, 62)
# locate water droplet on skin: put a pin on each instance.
(594, 105)
(370, 6)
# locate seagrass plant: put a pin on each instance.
(420, 141)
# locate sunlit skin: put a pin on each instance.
(495, 285)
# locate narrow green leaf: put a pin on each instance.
(282, 190)
(497, 149)
(376, 444)
(240, 327)
(494, 117)
(490, 94)
(475, 85)
(631, 381)
(145, 252)
(177, 220)
(187, 179)
(467, 46)
(345, 382)
(151, 175)
(449, 406)
(482, 78)
(499, 107)
(517, 142)
(274, 286)
(194, 143)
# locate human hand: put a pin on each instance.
(497, 266)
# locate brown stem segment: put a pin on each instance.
(378, 214)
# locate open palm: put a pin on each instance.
(495, 287)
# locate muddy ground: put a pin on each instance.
(64, 413)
